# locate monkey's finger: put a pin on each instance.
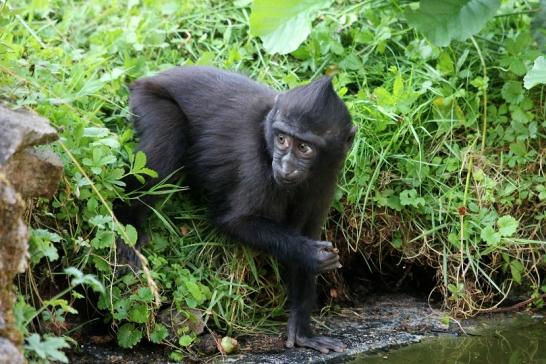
(324, 244)
(325, 256)
(329, 260)
(311, 343)
(331, 343)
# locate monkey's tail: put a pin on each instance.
(162, 130)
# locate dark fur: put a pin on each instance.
(218, 125)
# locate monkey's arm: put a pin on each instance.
(303, 258)
(284, 243)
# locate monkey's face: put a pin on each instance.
(292, 159)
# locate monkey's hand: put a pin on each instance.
(326, 256)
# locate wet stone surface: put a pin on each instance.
(379, 324)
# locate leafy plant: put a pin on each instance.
(537, 74)
(444, 21)
(283, 25)
(46, 349)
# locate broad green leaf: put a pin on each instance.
(131, 235)
(537, 74)
(144, 294)
(121, 308)
(283, 24)
(507, 225)
(490, 236)
(512, 92)
(410, 198)
(140, 161)
(49, 349)
(519, 148)
(159, 333)
(443, 21)
(128, 336)
(138, 313)
(103, 239)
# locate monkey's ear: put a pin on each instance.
(350, 138)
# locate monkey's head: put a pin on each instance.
(309, 129)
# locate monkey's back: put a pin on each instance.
(222, 114)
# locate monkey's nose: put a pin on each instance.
(289, 172)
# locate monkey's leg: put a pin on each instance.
(161, 126)
(302, 294)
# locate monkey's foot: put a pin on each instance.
(321, 343)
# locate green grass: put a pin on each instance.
(428, 179)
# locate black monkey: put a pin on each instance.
(267, 163)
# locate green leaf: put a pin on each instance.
(185, 340)
(94, 132)
(159, 333)
(84, 279)
(537, 74)
(103, 239)
(512, 92)
(409, 198)
(490, 236)
(507, 225)
(138, 313)
(283, 24)
(519, 148)
(129, 336)
(383, 97)
(41, 245)
(48, 349)
(443, 21)
(131, 235)
(445, 64)
(144, 294)
(140, 161)
(195, 291)
(121, 309)
(516, 268)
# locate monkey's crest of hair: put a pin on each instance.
(316, 107)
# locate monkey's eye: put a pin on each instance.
(305, 149)
(282, 141)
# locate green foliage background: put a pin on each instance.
(434, 177)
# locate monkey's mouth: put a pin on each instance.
(285, 182)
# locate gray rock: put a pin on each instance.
(13, 258)
(34, 172)
(13, 234)
(25, 172)
(173, 320)
(9, 354)
(20, 129)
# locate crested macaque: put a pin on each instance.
(265, 161)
